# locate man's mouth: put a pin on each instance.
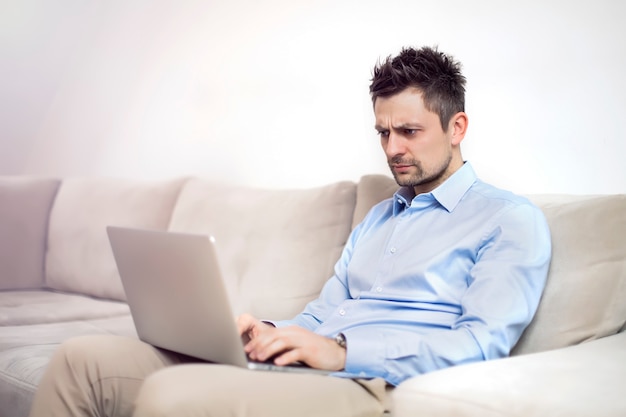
(399, 167)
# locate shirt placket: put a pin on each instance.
(390, 251)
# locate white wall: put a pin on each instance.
(274, 93)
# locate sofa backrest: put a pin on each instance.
(79, 257)
(277, 248)
(586, 287)
(296, 235)
(24, 211)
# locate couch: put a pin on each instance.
(277, 247)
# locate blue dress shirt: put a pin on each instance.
(445, 278)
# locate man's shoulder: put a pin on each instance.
(484, 191)
(496, 202)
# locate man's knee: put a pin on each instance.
(161, 394)
(191, 390)
(94, 358)
(105, 370)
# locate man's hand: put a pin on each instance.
(290, 344)
(250, 327)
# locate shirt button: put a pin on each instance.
(392, 250)
(379, 289)
(342, 312)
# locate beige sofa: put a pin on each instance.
(58, 279)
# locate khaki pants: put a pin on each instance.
(118, 376)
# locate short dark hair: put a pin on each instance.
(436, 75)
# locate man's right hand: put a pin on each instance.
(251, 327)
(289, 345)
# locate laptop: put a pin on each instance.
(177, 297)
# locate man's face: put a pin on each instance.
(419, 153)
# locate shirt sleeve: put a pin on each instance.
(505, 286)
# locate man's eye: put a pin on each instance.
(383, 133)
(410, 132)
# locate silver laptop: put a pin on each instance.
(177, 297)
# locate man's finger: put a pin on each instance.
(273, 347)
(245, 323)
(289, 357)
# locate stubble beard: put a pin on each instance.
(421, 176)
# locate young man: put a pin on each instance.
(448, 271)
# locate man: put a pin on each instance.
(449, 271)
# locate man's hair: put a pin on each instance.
(436, 75)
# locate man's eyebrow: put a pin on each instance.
(413, 125)
(399, 127)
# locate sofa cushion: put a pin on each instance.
(26, 350)
(24, 211)
(578, 381)
(277, 247)
(20, 308)
(371, 190)
(79, 255)
(586, 288)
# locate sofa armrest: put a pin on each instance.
(25, 204)
(583, 380)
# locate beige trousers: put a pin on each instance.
(118, 376)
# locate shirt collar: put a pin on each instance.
(448, 194)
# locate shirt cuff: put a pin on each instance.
(365, 353)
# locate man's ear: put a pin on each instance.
(457, 127)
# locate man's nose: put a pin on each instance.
(395, 145)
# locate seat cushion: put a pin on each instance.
(20, 308)
(577, 381)
(26, 350)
